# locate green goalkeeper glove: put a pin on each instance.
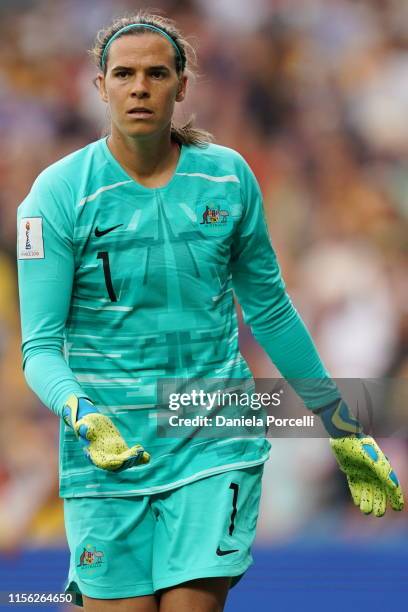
(101, 441)
(371, 479)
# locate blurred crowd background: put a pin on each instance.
(314, 94)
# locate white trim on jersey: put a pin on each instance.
(110, 355)
(118, 308)
(229, 178)
(98, 192)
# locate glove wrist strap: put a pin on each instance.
(338, 420)
(72, 410)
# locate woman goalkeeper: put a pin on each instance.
(129, 251)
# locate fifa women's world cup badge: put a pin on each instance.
(30, 238)
(214, 218)
(28, 243)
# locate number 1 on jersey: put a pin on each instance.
(235, 487)
(104, 255)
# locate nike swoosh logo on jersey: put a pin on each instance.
(221, 553)
(99, 233)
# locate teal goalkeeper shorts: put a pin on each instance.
(133, 546)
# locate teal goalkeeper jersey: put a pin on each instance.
(123, 285)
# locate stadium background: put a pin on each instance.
(315, 95)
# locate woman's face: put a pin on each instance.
(141, 73)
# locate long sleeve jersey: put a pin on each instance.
(122, 286)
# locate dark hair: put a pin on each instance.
(186, 134)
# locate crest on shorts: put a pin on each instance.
(90, 560)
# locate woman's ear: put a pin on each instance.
(181, 92)
(100, 83)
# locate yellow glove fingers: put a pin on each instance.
(388, 478)
(366, 503)
(395, 497)
(145, 458)
(113, 461)
(383, 470)
(105, 462)
(379, 501)
(131, 452)
(355, 490)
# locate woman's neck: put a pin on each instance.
(148, 159)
